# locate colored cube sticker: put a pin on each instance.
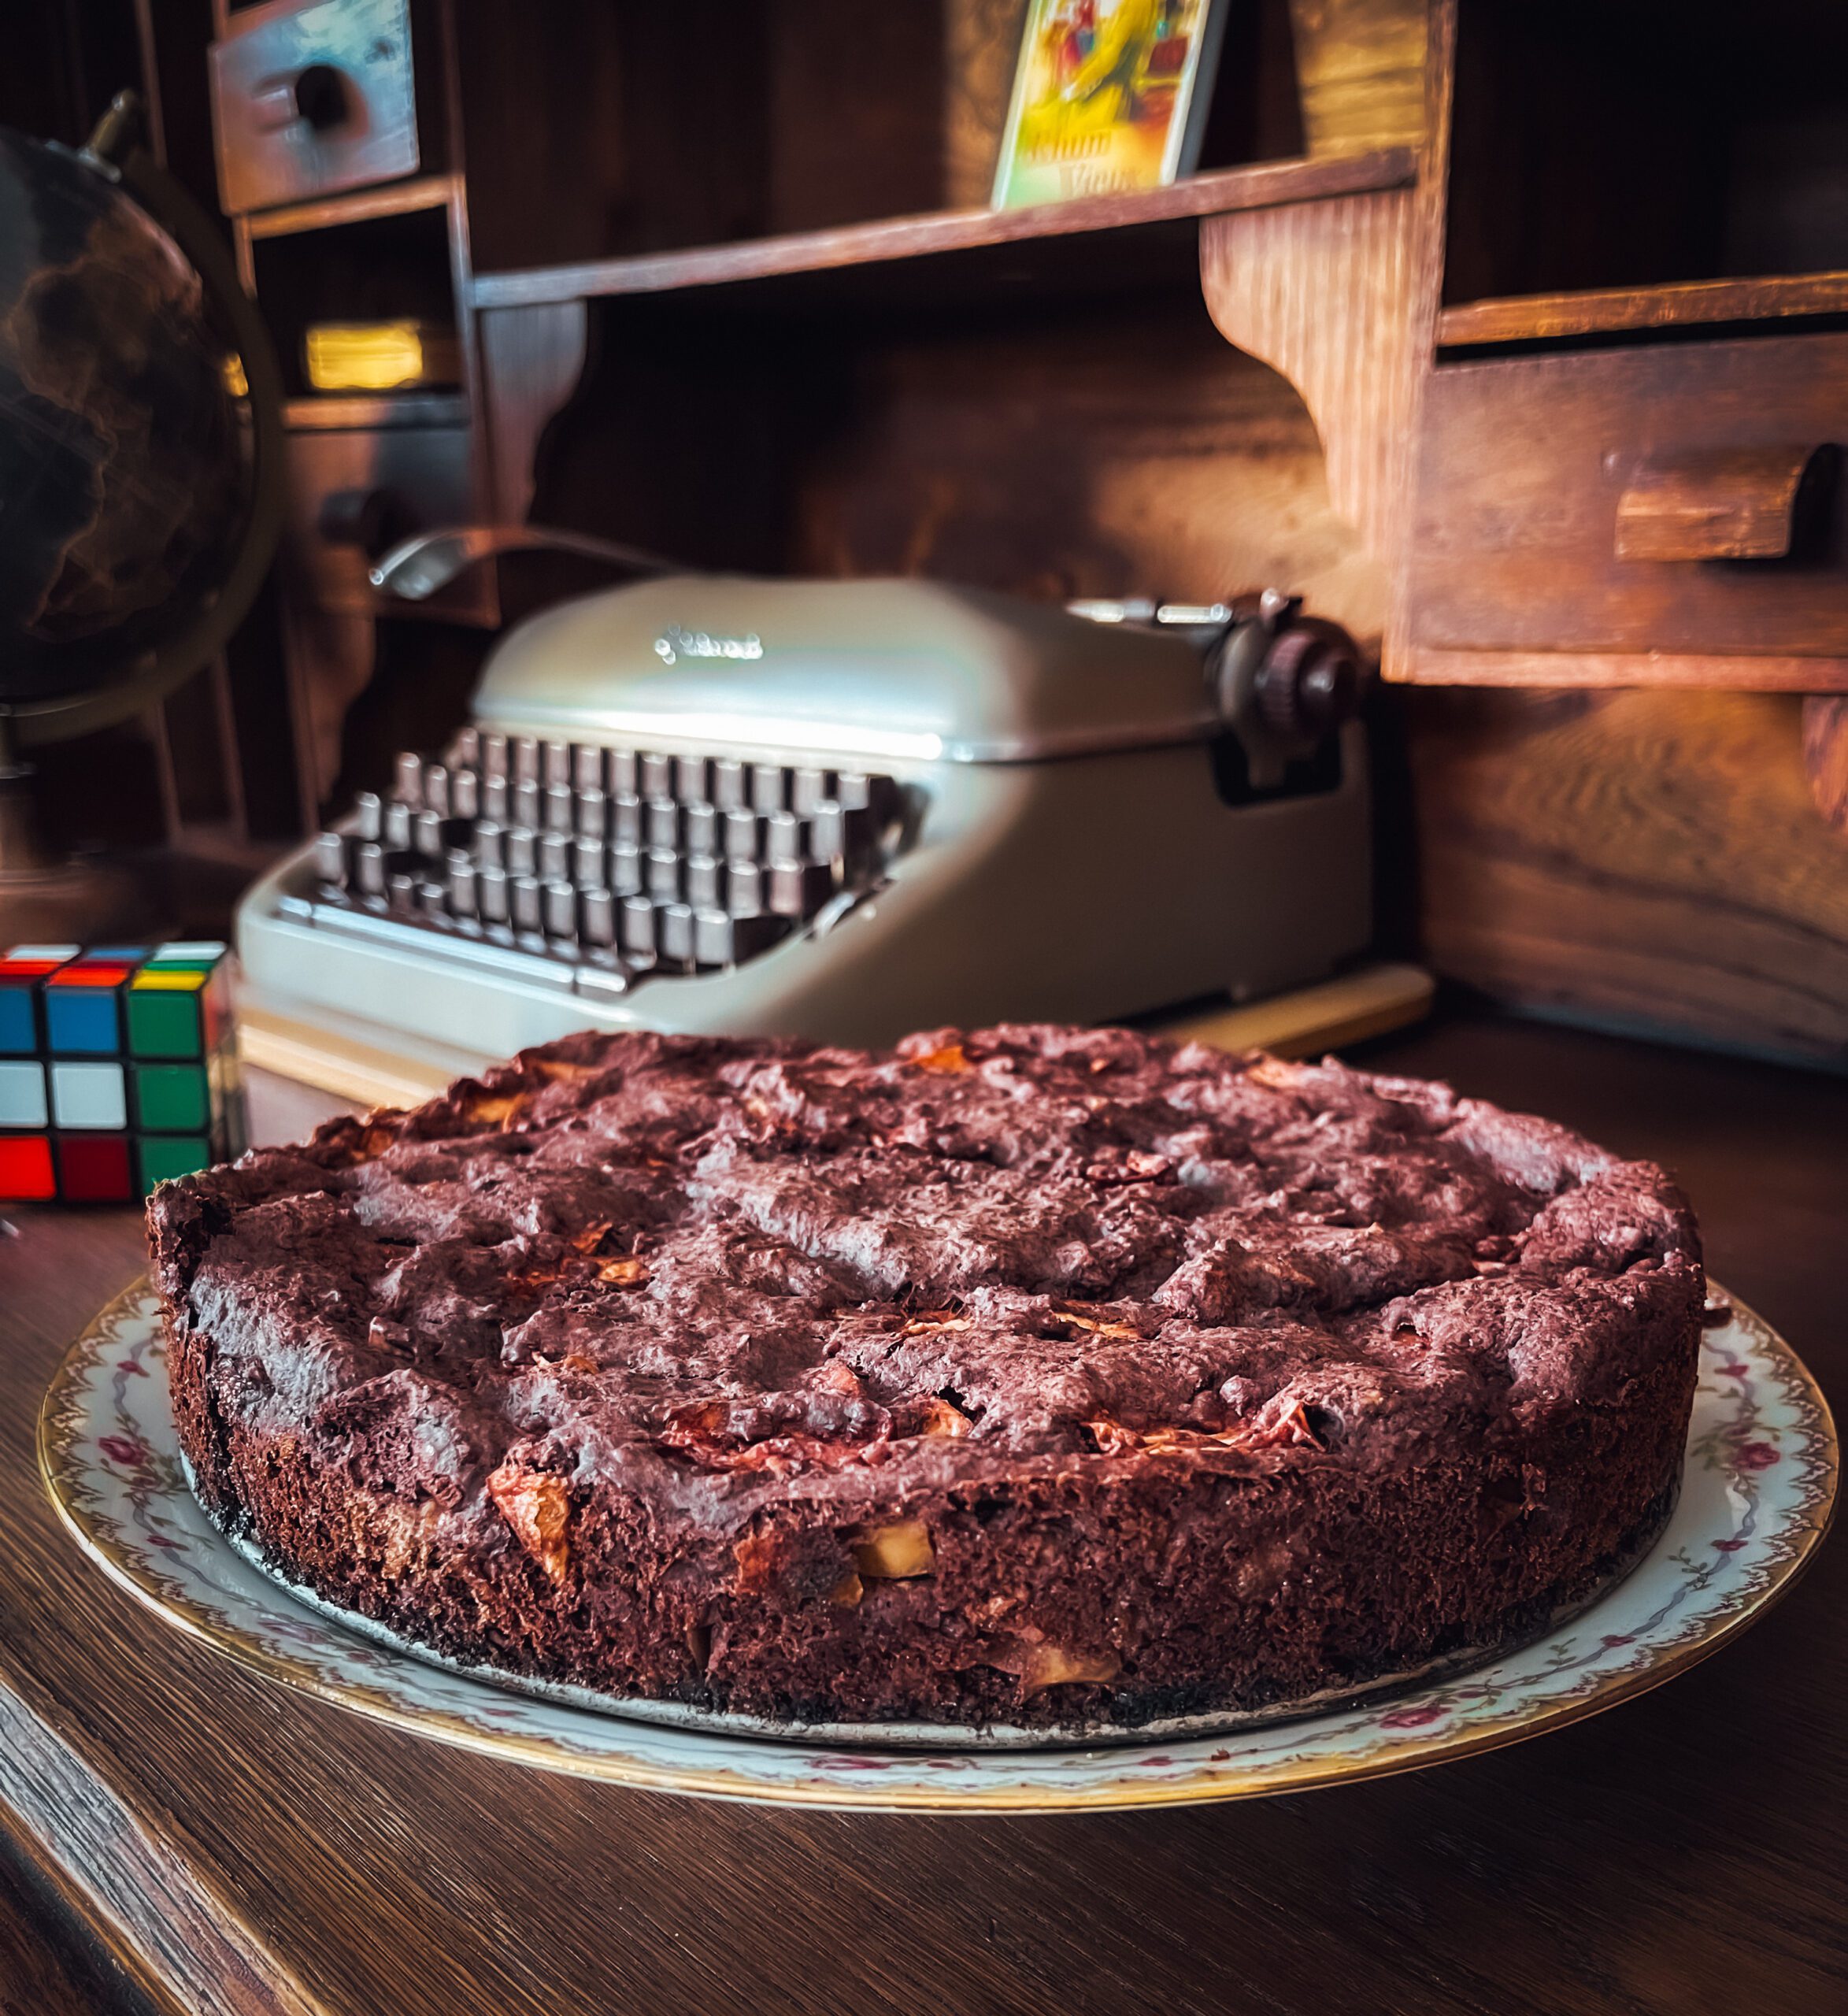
(173, 1099)
(82, 1010)
(93, 1169)
(118, 1069)
(22, 1094)
(89, 1095)
(162, 1157)
(166, 1016)
(26, 1172)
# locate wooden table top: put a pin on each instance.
(180, 1835)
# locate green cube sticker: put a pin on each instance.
(162, 1022)
(173, 1099)
(164, 1156)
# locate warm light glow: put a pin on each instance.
(376, 356)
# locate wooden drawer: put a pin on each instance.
(1544, 480)
(351, 495)
(309, 99)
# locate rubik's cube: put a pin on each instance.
(118, 1069)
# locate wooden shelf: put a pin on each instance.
(392, 199)
(1687, 304)
(332, 411)
(898, 241)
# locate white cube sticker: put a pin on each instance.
(89, 1095)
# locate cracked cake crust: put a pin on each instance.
(1031, 1374)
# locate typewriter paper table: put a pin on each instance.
(254, 1851)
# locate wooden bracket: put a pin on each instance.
(1721, 503)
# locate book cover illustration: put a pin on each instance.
(1109, 95)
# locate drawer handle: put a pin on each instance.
(1723, 503)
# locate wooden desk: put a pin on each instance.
(249, 1849)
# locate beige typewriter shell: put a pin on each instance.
(1066, 854)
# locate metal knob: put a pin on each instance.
(1309, 682)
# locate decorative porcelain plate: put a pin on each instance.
(1756, 1498)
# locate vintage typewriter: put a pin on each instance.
(841, 810)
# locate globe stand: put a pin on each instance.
(48, 898)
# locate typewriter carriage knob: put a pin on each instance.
(1284, 682)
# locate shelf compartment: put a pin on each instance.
(895, 242)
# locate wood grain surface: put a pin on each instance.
(1649, 858)
(1522, 464)
(1684, 1853)
(1678, 305)
(1256, 187)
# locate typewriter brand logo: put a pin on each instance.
(674, 644)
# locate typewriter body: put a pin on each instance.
(839, 810)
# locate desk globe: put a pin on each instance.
(139, 492)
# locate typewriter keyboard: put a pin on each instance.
(601, 865)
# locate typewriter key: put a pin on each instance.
(555, 851)
(368, 816)
(702, 881)
(561, 808)
(593, 813)
(555, 765)
(623, 776)
(731, 784)
(524, 760)
(661, 874)
(587, 767)
(330, 860)
(433, 901)
(625, 868)
(625, 818)
(497, 798)
(798, 889)
(853, 792)
(635, 928)
(597, 917)
(494, 757)
(464, 893)
(491, 893)
(526, 903)
(464, 794)
(673, 926)
(520, 849)
(488, 842)
(560, 905)
(807, 789)
(766, 787)
(400, 893)
(436, 789)
(662, 822)
(465, 751)
(526, 803)
(656, 774)
(690, 779)
(407, 778)
(785, 839)
(699, 829)
(740, 837)
(427, 836)
(369, 869)
(744, 888)
(587, 869)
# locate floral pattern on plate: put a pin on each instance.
(1757, 1494)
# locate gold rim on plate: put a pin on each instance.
(72, 1469)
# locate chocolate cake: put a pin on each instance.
(1030, 1375)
